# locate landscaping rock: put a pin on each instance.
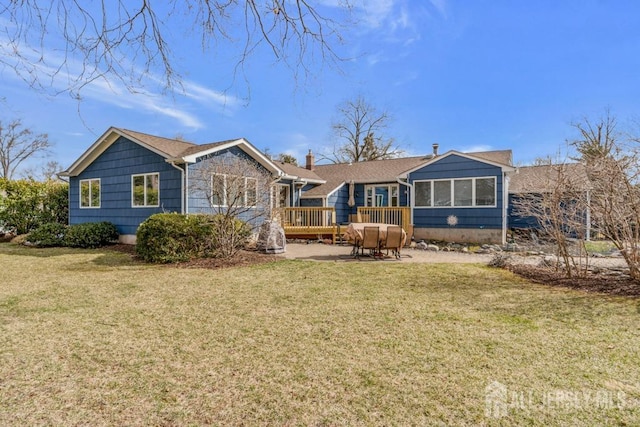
(271, 238)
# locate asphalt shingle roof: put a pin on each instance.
(171, 147)
(382, 170)
(538, 179)
(293, 170)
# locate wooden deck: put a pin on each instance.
(320, 222)
(308, 222)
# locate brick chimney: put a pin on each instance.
(435, 149)
(310, 161)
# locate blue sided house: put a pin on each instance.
(126, 176)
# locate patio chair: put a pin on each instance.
(394, 240)
(370, 239)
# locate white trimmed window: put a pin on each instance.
(457, 193)
(382, 195)
(90, 193)
(232, 190)
(145, 190)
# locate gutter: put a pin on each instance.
(302, 182)
(184, 178)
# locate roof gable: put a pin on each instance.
(501, 159)
(164, 147)
(191, 154)
(172, 150)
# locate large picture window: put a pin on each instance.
(90, 193)
(468, 192)
(145, 190)
(231, 190)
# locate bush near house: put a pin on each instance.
(27, 204)
(88, 235)
(172, 237)
(50, 234)
(91, 235)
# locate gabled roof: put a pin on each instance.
(500, 158)
(169, 147)
(173, 150)
(164, 147)
(389, 170)
(544, 178)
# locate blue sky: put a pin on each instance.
(469, 75)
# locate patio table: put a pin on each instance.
(355, 231)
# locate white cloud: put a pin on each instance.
(111, 90)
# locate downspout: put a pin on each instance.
(409, 196)
(505, 204)
(183, 179)
(271, 184)
(302, 183)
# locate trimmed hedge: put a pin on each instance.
(91, 235)
(88, 235)
(172, 237)
(48, 235)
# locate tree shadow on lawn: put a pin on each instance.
(110, 255)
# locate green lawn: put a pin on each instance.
(89, 337)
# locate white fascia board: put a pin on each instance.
(336, 189)
(99, 147)
(505, 168)
(245, 146)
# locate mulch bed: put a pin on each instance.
(607, 284)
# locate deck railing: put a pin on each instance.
(399, 215)
(308, 221)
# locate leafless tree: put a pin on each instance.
(555, 196)
(236, 189)
(360, 129)
(613, 167)
(17, 144)
(46, 40)
(44, 172)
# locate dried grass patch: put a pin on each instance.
(90, 337)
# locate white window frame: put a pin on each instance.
(90, 180)
(275, 195)
(452, 197)
(246, 179)
(133, 189)
(390, 195)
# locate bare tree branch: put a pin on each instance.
(46, 41)
(234, 188)
(18, 144)
(360, 129)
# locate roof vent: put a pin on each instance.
(435, 149)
